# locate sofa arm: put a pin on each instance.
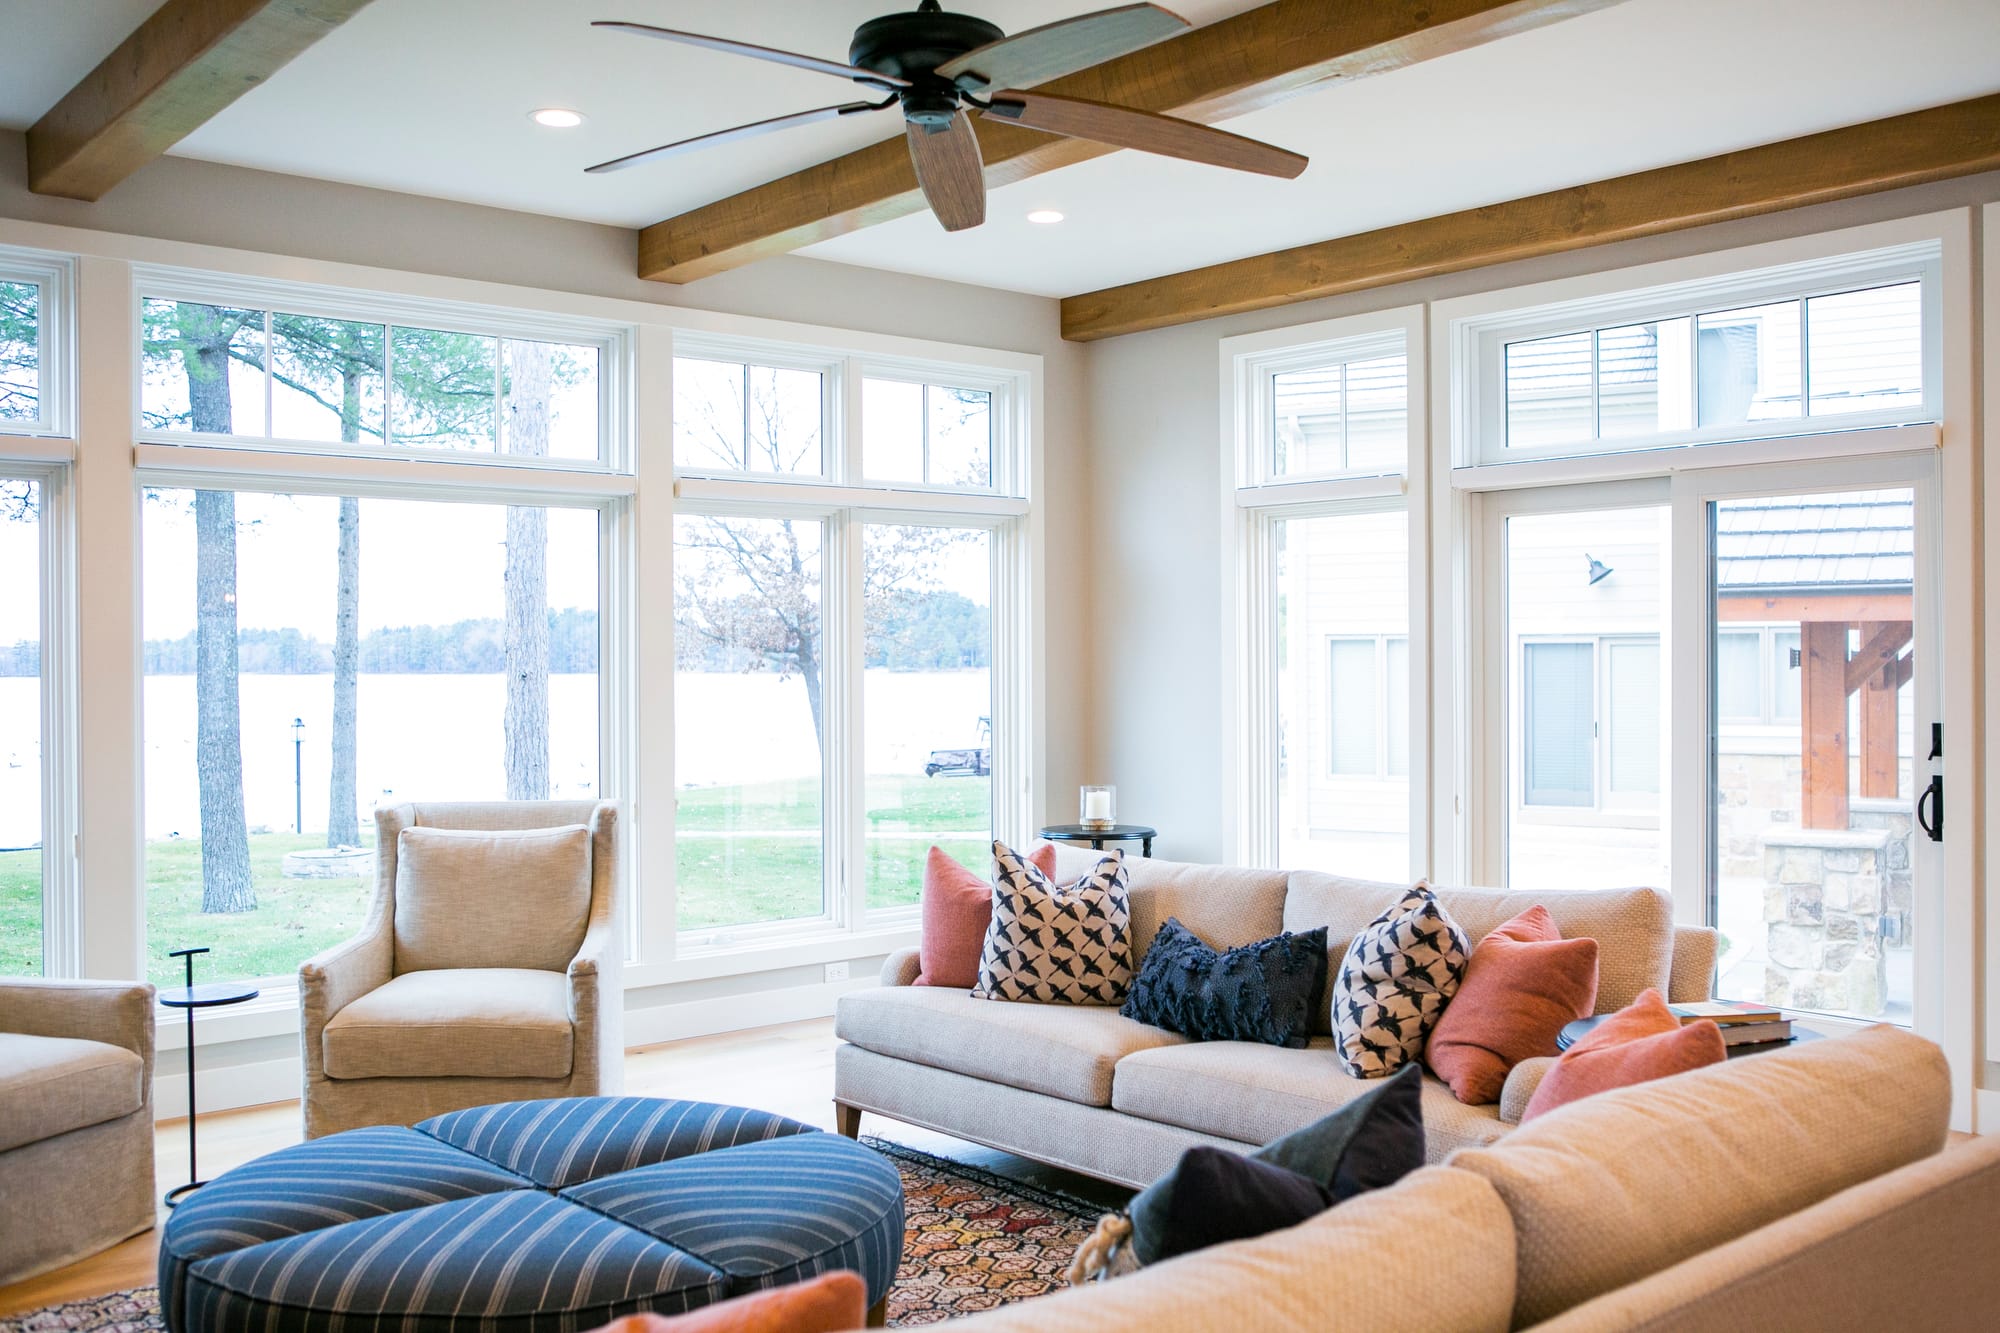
(901, 967)
(331, 980)
(1693, 977)
(1522, 1080)
(117, 1013)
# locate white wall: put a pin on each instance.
(1157, 549)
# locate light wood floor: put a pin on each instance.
(786, 1069)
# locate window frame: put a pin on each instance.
(1253, 501)
(613, 340)
(55, 276)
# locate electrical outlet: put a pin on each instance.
(836, 971)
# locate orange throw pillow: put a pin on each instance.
(1641, 1042)
(957, 906)
(829, 1303)
(1523, 983)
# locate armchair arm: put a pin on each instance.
(1693, 976)
(597, 1006)
(117, 1013)
(1522, 1080)
(335, 978)
(901, 967)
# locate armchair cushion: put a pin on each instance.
(477, 899)
(52, 1085)
(474, 1022)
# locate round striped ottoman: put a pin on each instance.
(528, 1216)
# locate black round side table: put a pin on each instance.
(209, 995)
(1097, 837)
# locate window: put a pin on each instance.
(1757, 675)
(22, 773)
(842, 654)
(731, 416)
(261, 374)
(34, 373)
(311, 657)
(928, 434)
(1343, 417)
(20, 352)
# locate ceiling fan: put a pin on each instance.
(940, 67)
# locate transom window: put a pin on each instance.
(33, 289)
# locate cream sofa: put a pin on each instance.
(1793, 1192)
(1095, 1092)
(76, 1120)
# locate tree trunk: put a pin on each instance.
(343, 819)
(225, 835)
(527, 644)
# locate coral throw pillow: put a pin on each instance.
(1639, 1043)
(829, 1303)
(957, 906)
(1523, 983)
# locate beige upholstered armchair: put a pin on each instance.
(487, 970)
(76, 1120)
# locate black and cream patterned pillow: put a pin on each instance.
(1057, 943)
(1396, 979)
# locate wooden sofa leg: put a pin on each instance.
(878, 1313)
(847, 1119)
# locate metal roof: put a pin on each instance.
(1852, 541)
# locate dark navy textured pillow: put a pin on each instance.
(1264, 992)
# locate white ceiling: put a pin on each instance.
(431, 97)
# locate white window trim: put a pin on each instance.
(1482, 327)
(1252, 501)
(1459, 707)
(612, 338)
(637, 652)
(55, 274)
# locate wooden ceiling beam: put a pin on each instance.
(1240, 64)
(188, 61)
(1960, 139)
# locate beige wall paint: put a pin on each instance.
(1155, 457)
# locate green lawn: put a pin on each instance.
(766, 868)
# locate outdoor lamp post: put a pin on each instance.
(298, 775)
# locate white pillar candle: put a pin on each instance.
(1097, 805)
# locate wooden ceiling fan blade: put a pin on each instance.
(1056, 49)
(791, 58)
(750, 131)
(1125, 127)
(951, 172)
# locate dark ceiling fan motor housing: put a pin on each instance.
(911, 46)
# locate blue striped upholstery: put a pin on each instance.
(528, 1217)
(565, 1140)
(768, 1213)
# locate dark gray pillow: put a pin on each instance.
(1265, 992)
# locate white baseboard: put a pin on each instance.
(734, 1013)
(228, 1087)
(231, 1086)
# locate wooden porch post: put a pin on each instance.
(1823, 722)
(1880, 766)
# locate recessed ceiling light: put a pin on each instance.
(557, 117)
(1045, 216)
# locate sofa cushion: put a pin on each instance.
(957, 907)
(1524, 983)
(1645, 1040)
(1056, 943)
(1066, 1051)
(471, 898)
(1435, 1252)
(52, 1085)
(470, 1022)
(1393, 985)
(1252, 1093)
(1630, 1182)
(1634, 928)
(1226, 905)
(1265, 991)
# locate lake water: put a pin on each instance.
(438, 737)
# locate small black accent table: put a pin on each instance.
(210, 995)
(1575, 1032)
(1097, 837)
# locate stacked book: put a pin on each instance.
(1743, 1023)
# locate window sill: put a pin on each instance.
(830, 946)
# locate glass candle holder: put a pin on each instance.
(1097, 807)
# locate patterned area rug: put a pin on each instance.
(973, 1241)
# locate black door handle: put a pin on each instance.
(1933, 798)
